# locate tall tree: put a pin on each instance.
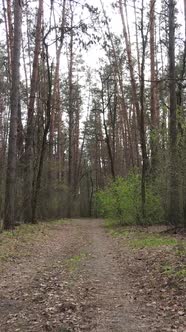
(154, 97)
(174, 215)
(9, 214)
(139, 110)
(37, 184)
(28, 176)
(70, 118)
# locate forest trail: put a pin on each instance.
(73, 281)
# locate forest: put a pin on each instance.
(92, 165)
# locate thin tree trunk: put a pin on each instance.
(110, 152)
(10, 30)
(154, 106)
(121, 85)
(70, 125)
(174, 215)
(9, 51)
(137, 43)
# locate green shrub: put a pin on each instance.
(121, 200)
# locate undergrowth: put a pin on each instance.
(121, 200)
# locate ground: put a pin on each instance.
(78, 276)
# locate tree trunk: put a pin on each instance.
(9, 213)
(70, 126)
(154, 101)
(174, 214)
(142, 119)
(37, 186)
(139, 112)
(28, 176)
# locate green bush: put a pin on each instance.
(121, 200)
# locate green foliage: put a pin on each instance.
(121, 200)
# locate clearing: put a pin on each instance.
(78, 276)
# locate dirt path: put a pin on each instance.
(73, 282)
(114, 311)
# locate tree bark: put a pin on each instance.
(174, 214)
(139, 112)
(70, 125)
(9, 213)
(28, 176)
(154, 101)
(36, 188)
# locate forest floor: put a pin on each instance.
(79, 275)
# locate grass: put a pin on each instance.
(120, 233)
(145, 240)
(73, 262)
(63, 329)
(109, 223)
(16, 243)
(181, 249)
(13, 244)
(52, 223)
(181, 273)
(172, 271)
(116, 230)
(139, 239)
